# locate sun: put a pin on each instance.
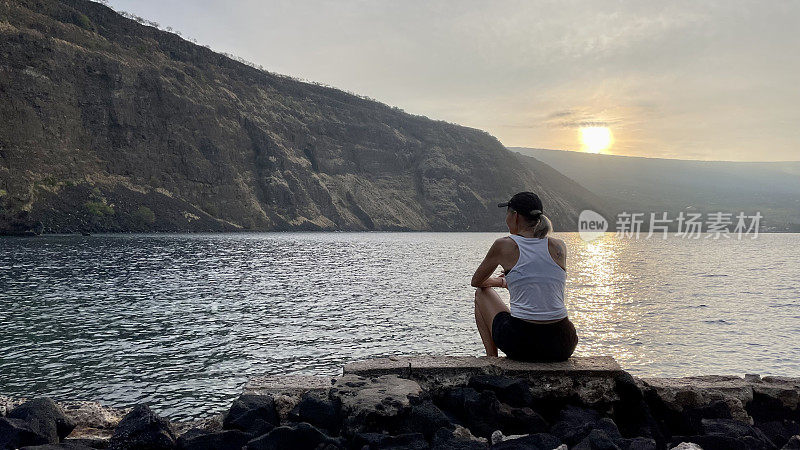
(596, 139)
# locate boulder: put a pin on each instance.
(287, 390)
(571, 433)
(736, 429)
(711, 442)
(637, 443)
(62, 446)
(218, 440)
(687, 446)
(45, 418)
(316, 410)
(374, 404)
(254, 414)
(93, 414)
(577, 415)
(374, 441)
(464, 433)
(574, 424)
(607, 426)
(631, 412)
(512, 391)
(142, 429)
(87, 442)
(780, 395)
(724, 396)
(301, 436)
(779, 431)
(16, 433)
(792, 444)
(483, 413)
(427, 418)
(596, 440)
(536, 441)
(446, 439)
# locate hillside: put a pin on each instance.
(655, 185)
(110, 125)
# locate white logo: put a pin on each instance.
(591, 225)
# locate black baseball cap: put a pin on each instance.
(525, 203)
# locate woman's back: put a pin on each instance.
(536, 282)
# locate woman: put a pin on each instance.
(537, 327)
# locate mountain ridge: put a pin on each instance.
(630, 183)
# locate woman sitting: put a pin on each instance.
(537, 327)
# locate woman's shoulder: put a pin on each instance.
(556, 241)
(504, 245)
(558, 251)
(504, 242)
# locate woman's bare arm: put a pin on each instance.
(483, 274)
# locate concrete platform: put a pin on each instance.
(590, 379)
(453, 365)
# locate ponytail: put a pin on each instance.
(543, 227)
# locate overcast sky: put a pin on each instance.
(694, 80)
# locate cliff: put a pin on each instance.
(111, 125)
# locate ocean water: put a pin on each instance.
(181, 320)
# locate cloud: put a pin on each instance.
(573, 118)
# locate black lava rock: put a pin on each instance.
(631, 412)
(45, 418)
(608, 427)
(537, 441)
(317, 411)
(62, 446)
(483, 413)
(779, 431)
(574, 424)
(16, 433)
(87, 442)
(715, 442)
(444, 439)
(736, 429)
(637, 443)
(596, 440)
(792, 444)
(255, 414)
(427, 418)
(374, 441)
(512, 391)
(302, 436)
(142, 429)
(219, 440)
(571, 433)
(577, 415)
(513, 420)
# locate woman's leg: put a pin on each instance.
(487, 305)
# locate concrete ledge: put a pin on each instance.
(414, 366)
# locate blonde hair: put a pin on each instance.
(543, 227)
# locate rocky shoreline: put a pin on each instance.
(444, 403)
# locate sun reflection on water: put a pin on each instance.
(597, 302)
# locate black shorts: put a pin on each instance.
(526, 341)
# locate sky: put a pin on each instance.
(708, 80)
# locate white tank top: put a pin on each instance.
(536, 283)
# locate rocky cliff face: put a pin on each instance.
(110, 125)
